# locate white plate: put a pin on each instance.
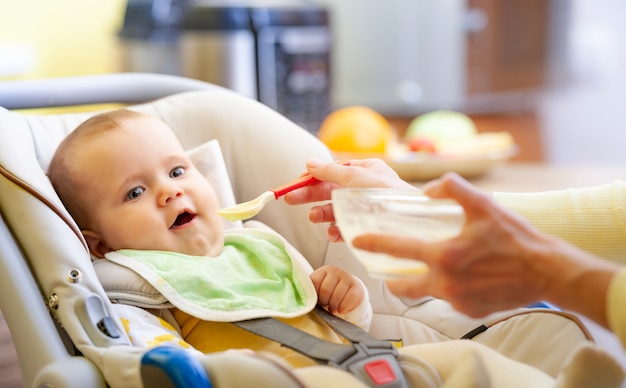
(417, 166)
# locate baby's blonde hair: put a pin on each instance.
(61, 171)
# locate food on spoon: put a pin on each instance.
(356, 129)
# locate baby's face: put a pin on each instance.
(144, 193)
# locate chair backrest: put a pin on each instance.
(46, 275)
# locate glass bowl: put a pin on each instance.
(394, 212)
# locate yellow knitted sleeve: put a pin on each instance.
(616, 300)
(592, 218)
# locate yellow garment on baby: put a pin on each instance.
(209, 337)
(254, 276)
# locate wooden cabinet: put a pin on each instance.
(507, 47)
(507, 61)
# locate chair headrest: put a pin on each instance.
(25, 157)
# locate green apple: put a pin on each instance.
(441, 126)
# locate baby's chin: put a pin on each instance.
(215, 250)
(193, 242)
(212, 249)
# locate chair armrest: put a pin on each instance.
(181, 367)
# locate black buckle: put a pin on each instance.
(375, 363)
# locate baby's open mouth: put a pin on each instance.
(183, 219)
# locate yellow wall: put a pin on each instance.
(68, 37)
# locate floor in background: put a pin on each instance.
(10, 375)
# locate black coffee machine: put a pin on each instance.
(276, 52)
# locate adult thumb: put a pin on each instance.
(414, 287)
(327, 171)
(453, 186)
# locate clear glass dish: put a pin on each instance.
(395, 212)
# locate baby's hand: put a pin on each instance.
(337, 290)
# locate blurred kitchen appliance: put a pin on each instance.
(406, 57)
(400, 57)
(149, 37)
(277, 52)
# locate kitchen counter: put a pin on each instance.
(531, 177)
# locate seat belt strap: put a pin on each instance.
(372, 361)
(349, 330)
(320, 350)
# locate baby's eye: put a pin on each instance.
(178, 171)
(134, 193)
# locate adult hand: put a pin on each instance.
(353, 173)
(497, 262)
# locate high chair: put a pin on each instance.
(66, 330)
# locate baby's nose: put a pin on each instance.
(170, 193)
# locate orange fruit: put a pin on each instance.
(357, 129)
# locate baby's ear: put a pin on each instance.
(97, 246)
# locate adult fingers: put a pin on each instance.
(453, 186)
(475, 303)
(307, 194)
(398, 246)
(323, 213)
(337, 173)
(334, 234)
(358, 173)
(416, 286)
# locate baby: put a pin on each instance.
(141, 203)
(129, 184)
